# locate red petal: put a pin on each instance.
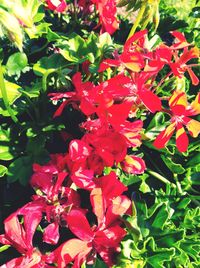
(15, 233)
(98, 204)
(181, 139)
(58, 184)
(60, 109)
(194, 78)
(111, 186)
(79, 150)
(79, 225)
(164, 136)
(84, 179)
(150, 100)
(69, 251)
(178, 102)
(107, 64)
(51, 234)
(137, 36)
(110, 237)
(119, 206)
(31, 222)
(59, 8)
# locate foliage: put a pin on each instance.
(99, 110)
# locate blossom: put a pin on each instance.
(55, 199)
(20, 236)
(180, 113)
(132, 55)
(179, 67)
(107, 15)
(103, 238)
(57, 5)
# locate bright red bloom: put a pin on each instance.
(20, 237)
(180, 112)
(57, 5)
(132, 55)
(95, 151)
(179, 67)
(55, 199)
(81, 98)
(107, 15)
(103, 239)
(140, 94)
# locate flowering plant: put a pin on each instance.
(94, 174)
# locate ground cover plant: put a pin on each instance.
(99, 148)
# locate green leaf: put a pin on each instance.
(128, 179)
(3, 170)
(195, 160)
(169, 239)
(3, 248)
(75, 49)
(16, 63)
(105, 40)
(144, 187)
(13, 92)
(161, 216)
(158, 260)
(174, 167)
(100, 264)
(45, 64)
(20, 170)
(5, 151)
(156, 125)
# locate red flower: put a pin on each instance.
(179, 67)
(132, 55)
(83, 96)
(103, 239)
(20, 237)
(55, 199)
(180, 110)
(57, 5)
(107, 14)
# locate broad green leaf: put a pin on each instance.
(169, 238)
(161, 216)
(74, 50)
(13, 92)
(160, 259)
(174, 167)
(105, 40)
(16, 63)
(3, 170)
(191, 247)
(20, 170)
(46, 64)
(195, 160)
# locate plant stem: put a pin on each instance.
(159, 177)
(137, 21)
(5, 97)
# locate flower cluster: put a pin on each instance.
(111, 137)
